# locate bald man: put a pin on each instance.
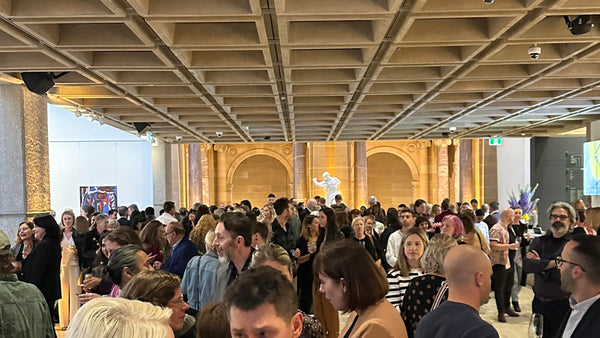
(468, 273)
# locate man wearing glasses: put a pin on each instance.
(550, 299)
(579, 266)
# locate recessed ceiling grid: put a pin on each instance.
(312, 70)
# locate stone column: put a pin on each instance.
(300, 171)
(360, 174)
(161, 175)
(206, 157)
(194, 174)
(443, 174)
(221, 175)
(467, 186)
(24, 163)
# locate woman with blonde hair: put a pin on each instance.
(408, 266)
(205, 224)
(107, 317)
(267, 214)
(72, 248)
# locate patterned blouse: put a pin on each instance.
(499, 234)
(419, 298)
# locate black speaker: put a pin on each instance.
(141, 127)
(38, 83)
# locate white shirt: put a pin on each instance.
(483, 227)
(393, 247)
(578, 310)
(166, 218)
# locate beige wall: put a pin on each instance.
(389, 179)
(256, 177)
(397, 171)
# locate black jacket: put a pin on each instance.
(42, 268)
(589, 326)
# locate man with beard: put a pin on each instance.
(579, 266)
(549, 299)
(233, 243)
(468, 272)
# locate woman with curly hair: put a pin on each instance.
(205, 224)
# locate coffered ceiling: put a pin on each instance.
(312, 70)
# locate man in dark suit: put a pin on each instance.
(579, 266)
(182, 250)
(123, 216)
(494, 216)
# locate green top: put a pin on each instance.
(23, 310)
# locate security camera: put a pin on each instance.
(452, 130)
(534, 52)
(178, 138)
(445, 134)
(488, 2)
(219, 133)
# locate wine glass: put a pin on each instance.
(536, 326)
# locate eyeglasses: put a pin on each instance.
(561, 217)
(559, 262)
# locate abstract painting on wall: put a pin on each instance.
(102, 198)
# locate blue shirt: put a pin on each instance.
(454, 320)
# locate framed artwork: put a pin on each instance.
(102, 198)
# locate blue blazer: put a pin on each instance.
(589, 326)
(181, 255)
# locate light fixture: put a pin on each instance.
(78, 112)
(101, 119)
(488, 2)
(579, 25)
(40, 82)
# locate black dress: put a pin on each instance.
(42, 269)
(305, 277)
(368, 244)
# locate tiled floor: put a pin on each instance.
(514, 327)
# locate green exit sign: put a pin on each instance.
(495, 141)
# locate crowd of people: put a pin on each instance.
(287, 270)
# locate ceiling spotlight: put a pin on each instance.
(78, 112)
(101, 120)
(219, 133)
(452, 129)
(247, 128)
(488, 2)
(283, 98)
(579, 25)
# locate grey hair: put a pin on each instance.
(124, 257)
(106, 317)
(433, 257)
(568, 208)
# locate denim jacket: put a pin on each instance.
(200, 279)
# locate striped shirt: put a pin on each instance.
(398, 284)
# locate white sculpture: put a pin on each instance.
(331, 185)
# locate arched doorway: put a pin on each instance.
(389, 178)
(256, 177)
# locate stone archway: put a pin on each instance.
(254, 175)
(391, 177)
